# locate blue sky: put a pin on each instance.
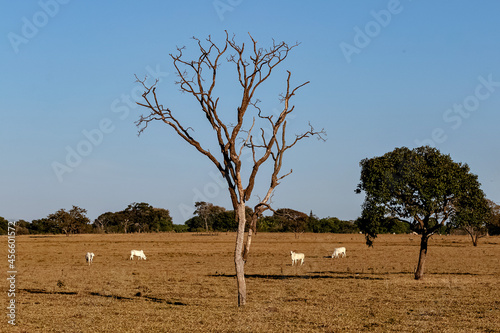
(383, 74)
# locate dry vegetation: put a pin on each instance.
(188, 285)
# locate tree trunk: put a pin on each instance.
(251, 230)
(419, 273)
(474, 235)
(238, 256)
(247, 245)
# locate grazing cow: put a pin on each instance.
(414, 233)
(296, 257)
(89, 257)
(137, 253)
(339, 252)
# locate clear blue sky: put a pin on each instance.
(383, 74)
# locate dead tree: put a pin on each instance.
(243, 150)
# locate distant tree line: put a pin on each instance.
(211, 218)
(142, 217)
(137, 217)
(69, 222)
(289, 220)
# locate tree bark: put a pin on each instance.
(238, 256)
(247, 245)
(251, 230)
(419, 273)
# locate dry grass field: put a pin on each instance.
(187, 284)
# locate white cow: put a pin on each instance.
(89, 257)
(137, 253)
(296, 257)
(339, 252)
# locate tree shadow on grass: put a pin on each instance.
(336, 275)
(305, 277)
(117, 297)
(43, 291)
(456, 273)
(138, 296)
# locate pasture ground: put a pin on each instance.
(187, 284)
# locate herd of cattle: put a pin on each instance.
(337, 253)
(89, 257)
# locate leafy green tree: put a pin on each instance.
(472, 214)
(217, 219)
(162, 221)
(225, 221)
(268, 224)
(208, 213)
(195, 224)
(137, 217)
(70, 222)
(180, 228)
(4, 226)
(395, 226)
(494, 222)
(324, 225)
(110, 222)
(389, 225)
(292, 220)
(23, 227)
(421, 187)
(312, 222)
(140, 216)
(45, 226)
(203, 211)
(332, 225)
(103, 222)
(345, 227)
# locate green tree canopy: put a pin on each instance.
(215, 218)
(44, 226)
(494, 222)
(73, 221)
(208, 213)
(4, 226)
(137, 217)
(291, 220)
(421, 187)
(472, 214)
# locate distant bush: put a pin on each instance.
(3, 226)
(180, 228)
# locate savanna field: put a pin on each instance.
(187, 284)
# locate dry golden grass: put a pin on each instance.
(187, 284)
